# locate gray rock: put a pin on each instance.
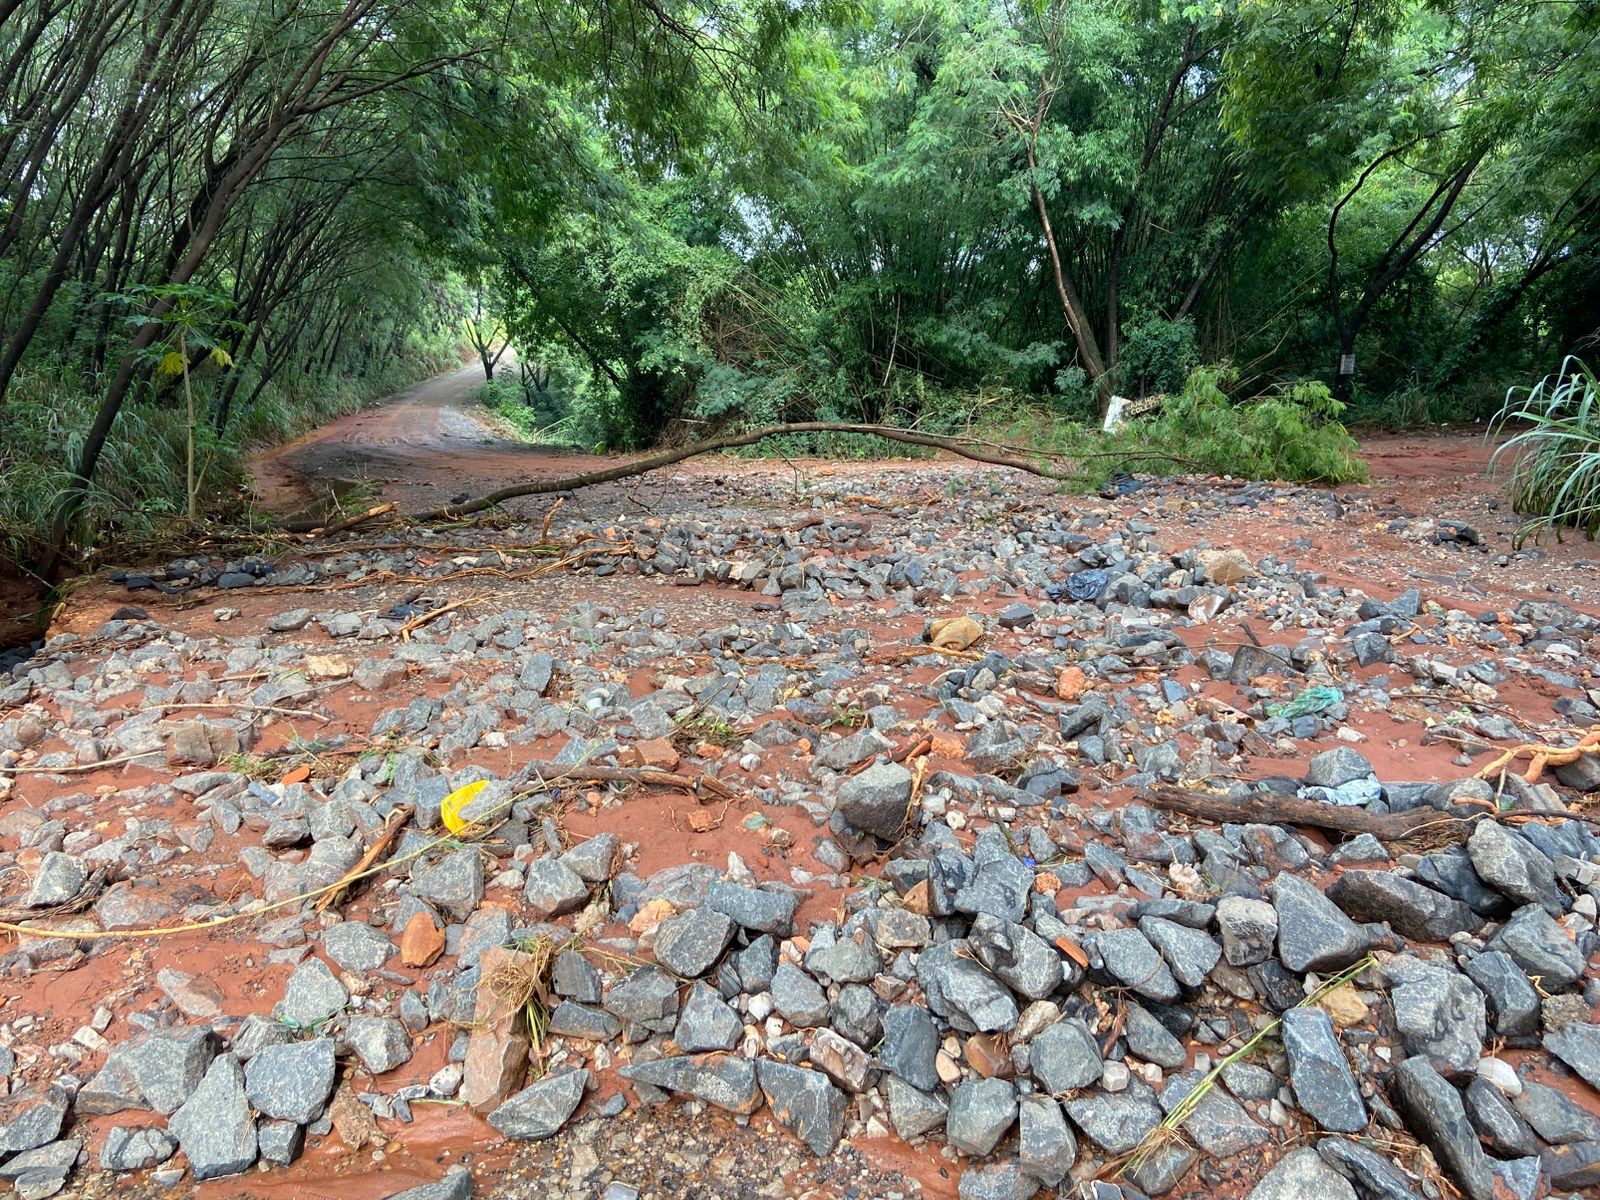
(129, 1149)
(574, 977)
(292, 1082)
(756, 964)
(842, 960)
(571, 1019)
(1376, 1177)
(981, 1110)
(1020, 958)
(706, 1022)
(53, 1158)
(1218, 1124)
(554, 889)
(43, 1183)
(1497, 1122)
(215, 1127)
(1116, 1122)
(725, 1080)
(1513, 1005)
(1250, 1082)
(540, 1110)
(453, 884)
(1323, 1082)
(1553, 1116)
(1413, 911)
(999, 886)
(311, 997)
(357, 946)
(594, 859)
(536, 673)
(1441, 1014)
(1249, 929)
(1578, 1045)
(1336, 767)
(1434, 1112)
(1510, 863)
(858, 1015)
(1150, 1040)
(288, 622)
(1001, 1180)
(1046, 1148)
(963, 993)
(1313, 935)
(798, 997)
(257, 1032)
(58, 879)
(1540, 947)
(910, 1046)
(645, 997)
(279, 1142)
(31, 1118)
(913, 1112)
(1065, 1057)
(754, 908)
(1190, 954)
(1303, 1175)
(381, 1043)
(1519, 1177)
(876, 800)
(804, 1102)
(689, 943)
(1575, 1165)
(1134, 962)
(168, 1065)
(456, 1185)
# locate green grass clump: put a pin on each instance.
(1555, 460)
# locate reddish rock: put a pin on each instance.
(658, 753)
(497, 1052)
(421, 942)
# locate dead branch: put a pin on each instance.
(386, 838)
(322, 529)
(1264, 808)
(1016, 457)
(650, 776)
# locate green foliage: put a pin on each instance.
(1555, 462)
(1290, 434)
(1158, 355)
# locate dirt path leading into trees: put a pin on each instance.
(433, 443)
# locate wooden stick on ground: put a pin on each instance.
(1264, 808)
(1018, 458)
(391, 830)
(650, 776)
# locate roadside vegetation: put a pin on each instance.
(221, 221)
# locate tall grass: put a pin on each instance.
(1554, 463)
(137, 497)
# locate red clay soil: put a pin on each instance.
(425, 447)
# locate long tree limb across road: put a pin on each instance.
(1018, 458)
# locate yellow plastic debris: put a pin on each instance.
(450, 811)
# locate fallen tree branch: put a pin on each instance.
(551, 773)
(386, 838)
(315, 527)
(1014, 457)
(1266, 808)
